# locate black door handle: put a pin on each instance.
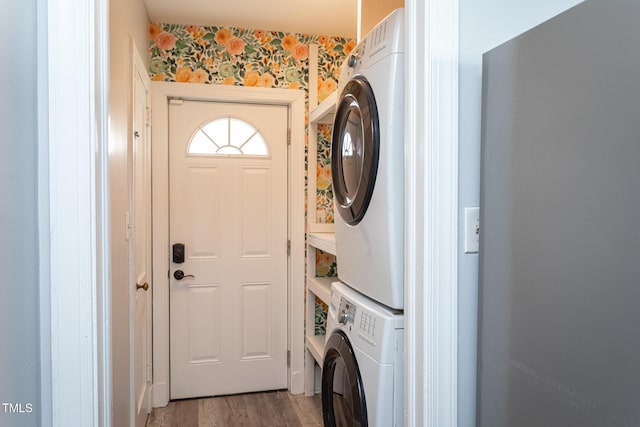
(179, 275)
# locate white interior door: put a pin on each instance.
(228, 206)
(141, 243)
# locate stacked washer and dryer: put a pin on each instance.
(362, 373)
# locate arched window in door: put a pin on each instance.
(228, 136)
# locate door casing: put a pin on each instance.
(161, 94)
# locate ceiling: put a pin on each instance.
(318, 17)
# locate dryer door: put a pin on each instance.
(355, 150)
(343, 399)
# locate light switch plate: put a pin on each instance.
(471, 230)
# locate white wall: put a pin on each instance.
(127, 18)
(19, 261)
(483, 26)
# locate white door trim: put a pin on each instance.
(431, 198)
(161, 92)
(73, 208)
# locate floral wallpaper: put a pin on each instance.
(325, 262)
(247, 57)
(324, 195)
(325, 266)
(320, 318)
(243, 57)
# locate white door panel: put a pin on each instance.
(202, 228)
(228, 323)
(255, 219)
(141, 245)
(204, 324)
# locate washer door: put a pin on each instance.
(343, 400)
(355, 149)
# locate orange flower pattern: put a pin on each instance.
(348, 47)
(165, 41)
(235, 46)
(300, 52)
(154, 30)
(183, 74)
(289, 42)
(251, 78)
(198, 76)
(326, 88)
(222, 36)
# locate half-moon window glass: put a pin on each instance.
(228, 136)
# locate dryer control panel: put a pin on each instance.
(346, 312)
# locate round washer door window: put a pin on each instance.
(355, 149)
(343, 400)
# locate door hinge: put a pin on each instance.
(127, 225)
(289, 247)
(148, 117)
(149, 373)
(288, 358)
(289, 136)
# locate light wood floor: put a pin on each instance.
(274, 408)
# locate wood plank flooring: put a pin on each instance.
(274, 408)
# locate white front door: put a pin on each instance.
(228, 207)
(141, 234)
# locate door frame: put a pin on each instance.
(161, 93)
(73, 213)
(431, 213)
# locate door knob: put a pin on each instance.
(145, 286)
(179, 275)
(343, 317)
(352, 61)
